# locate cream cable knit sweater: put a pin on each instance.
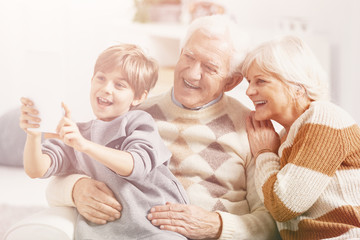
(212, 160)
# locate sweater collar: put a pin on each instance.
(177, 103)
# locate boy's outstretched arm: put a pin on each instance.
(119, 161)
(35, 162)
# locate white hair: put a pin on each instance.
(290, 60)
(222, 26)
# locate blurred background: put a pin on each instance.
(48, 49)
(51, 46)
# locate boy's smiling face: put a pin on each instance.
(111, 95)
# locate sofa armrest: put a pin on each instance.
(54, 223)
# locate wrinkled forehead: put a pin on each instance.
(212, 47)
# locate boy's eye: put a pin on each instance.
(120, 85)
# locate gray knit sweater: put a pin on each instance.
(151, 183)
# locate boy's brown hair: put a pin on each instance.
(141, 70)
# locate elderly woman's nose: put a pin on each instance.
(250, 90)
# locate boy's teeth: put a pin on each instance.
(103, 100)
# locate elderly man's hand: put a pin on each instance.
(188, 220)
(95, 201)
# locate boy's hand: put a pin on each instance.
(69, 132)
(28, 117)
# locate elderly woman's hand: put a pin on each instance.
(189, 220)
(262, 136)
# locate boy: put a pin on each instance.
(121, 148)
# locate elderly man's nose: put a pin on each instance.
(195, 71)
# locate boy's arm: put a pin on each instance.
(119, 161)
(35, 162)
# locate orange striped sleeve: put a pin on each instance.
(318, 151)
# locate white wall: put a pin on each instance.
(55, 43)
(337, 21)
(49, 45)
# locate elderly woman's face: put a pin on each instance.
(270, 96)
(202, 70)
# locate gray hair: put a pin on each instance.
(222, 26)
(290, 60)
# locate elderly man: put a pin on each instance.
(205, 131)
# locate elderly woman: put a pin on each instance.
(308, 175)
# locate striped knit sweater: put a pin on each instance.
(212, 160)
(312, 187)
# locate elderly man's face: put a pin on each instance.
(202, 70)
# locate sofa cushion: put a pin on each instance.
(12, 139)
(56, 223)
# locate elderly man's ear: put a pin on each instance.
(233, 81)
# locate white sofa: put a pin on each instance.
(54, 223)
(25, 213)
